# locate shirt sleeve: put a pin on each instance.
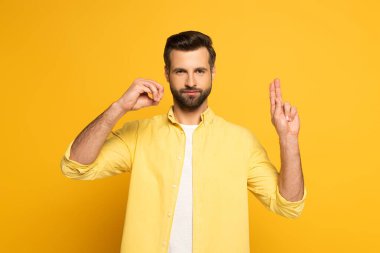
(262, 182)
(115, 157)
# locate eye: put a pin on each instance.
(179, 71)
(200, 71)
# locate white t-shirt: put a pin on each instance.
(181, 235)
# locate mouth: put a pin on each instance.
(191, 92)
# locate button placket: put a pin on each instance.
(197, 137)
(179, 158)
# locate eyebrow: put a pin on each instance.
(199, 68)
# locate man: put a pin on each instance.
(190, 168)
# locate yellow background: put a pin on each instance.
(63, 62)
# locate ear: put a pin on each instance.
(213, 72)
(166, 73)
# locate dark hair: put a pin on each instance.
(188, 41)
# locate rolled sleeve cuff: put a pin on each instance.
(290, 209)
(284, 201)
(74, 169)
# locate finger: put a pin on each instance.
(293, 112)
(272, 98)
(154, 102)
(147, 101)
(143, 89)
(147, 91)
(287, 110)
(159, 87)
(153, 89)
(278, 109)
(278, 89)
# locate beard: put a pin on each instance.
(190, 102)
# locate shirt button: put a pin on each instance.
(174, 185)
(179, 157)
(169, 214)
(163, 243)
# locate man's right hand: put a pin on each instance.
(89, 142)
(136, 97)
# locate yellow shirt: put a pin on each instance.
(228, 160)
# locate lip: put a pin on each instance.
(191, 92)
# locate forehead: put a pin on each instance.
(189, 59)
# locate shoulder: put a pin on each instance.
(231, 127)
(155, 121)
(144, 124)
(128, 128)
(236, 131)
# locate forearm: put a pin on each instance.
(90, 140)
(290, 181)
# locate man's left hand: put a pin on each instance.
(284, 116)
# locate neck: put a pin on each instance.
(189, 117)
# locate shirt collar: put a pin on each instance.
(207, 116)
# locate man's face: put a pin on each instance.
(190, 77)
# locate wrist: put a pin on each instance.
(112, 115)
(289, 140)
(119, 108)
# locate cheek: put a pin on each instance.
(176, 82)
(175, 79)
(204, 79)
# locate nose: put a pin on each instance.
(190, 81)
